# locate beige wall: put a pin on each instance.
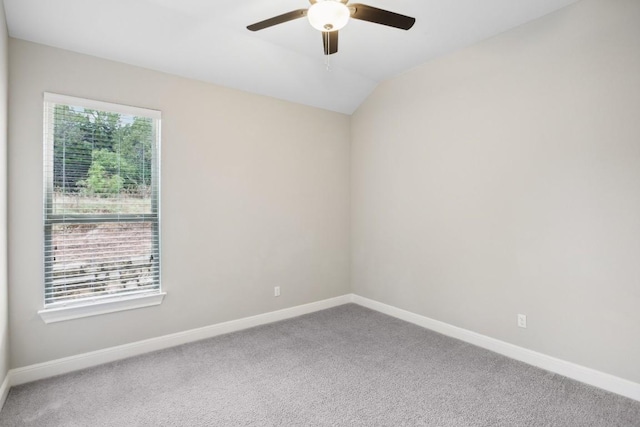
(4, 314)
(255, 194)
(505, 179)
(502, 179)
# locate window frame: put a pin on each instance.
(89, 306)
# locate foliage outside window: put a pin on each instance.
(101, 201)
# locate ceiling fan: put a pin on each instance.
(329, 16)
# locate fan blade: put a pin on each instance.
(285, 17)
(380, 16)
(330, 42)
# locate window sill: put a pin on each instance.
(60, 314)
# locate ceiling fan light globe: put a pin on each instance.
(328, 15)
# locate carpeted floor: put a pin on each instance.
(346, 366)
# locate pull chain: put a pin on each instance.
(328, 59)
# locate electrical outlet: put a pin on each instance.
(276, 291)
(522, 320)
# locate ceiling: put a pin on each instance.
(208, 40)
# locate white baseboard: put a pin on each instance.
(571, 370)
(73, 363)
(86, 360)
(4, 389)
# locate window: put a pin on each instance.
(101, 207)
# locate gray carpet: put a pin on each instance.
(346, 366)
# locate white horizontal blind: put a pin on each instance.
(101, 200)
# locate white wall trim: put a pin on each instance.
(73, 363)
(4, 389)
(95, 308)
(568, 369)
(86, 360)
(100, 105)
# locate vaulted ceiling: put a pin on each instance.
(208, 40)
